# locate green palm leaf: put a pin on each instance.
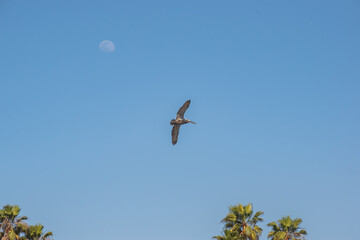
(240, 224)
(286, 228)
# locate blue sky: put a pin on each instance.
(85, 143)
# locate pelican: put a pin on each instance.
(180, 120)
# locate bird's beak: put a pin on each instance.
(193, 122)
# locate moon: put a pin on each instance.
(107, 46)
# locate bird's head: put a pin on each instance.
(172, 122)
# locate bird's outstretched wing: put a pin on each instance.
(182, 110)
(175, 134)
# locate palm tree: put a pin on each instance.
(11, 225)
(240, 224)
(35, 232)
(287, 229)
(227, 235)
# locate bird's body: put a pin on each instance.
(180, 120)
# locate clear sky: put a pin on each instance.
(85, 144)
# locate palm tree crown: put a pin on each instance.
(35, 232)
(287, 229)
(11, 225)
(241, 224)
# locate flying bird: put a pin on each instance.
(180, 120)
